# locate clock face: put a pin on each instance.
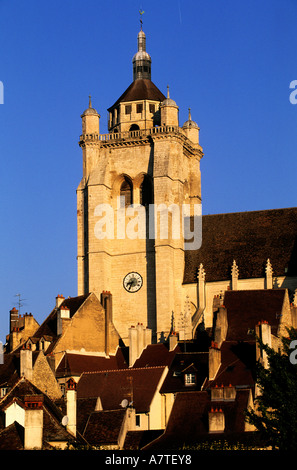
(132, 282)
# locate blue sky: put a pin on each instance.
(230, 61)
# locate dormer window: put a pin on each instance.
(3, 391)
(190, 379)
(190, 375)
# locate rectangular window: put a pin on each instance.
(137, 420)
(128, 109)
(139, 108)
(152, 108)
(190, 379)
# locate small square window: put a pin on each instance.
(190, 379)
(128, 109)
(139, 108)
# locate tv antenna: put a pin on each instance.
(20, 304)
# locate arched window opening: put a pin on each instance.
(126, 192)
(134, 127)
(146, 193)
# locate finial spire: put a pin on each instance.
(190, 117)
(141, 12)
(168, 96)
(90, 102)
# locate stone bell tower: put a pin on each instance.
(131, 176)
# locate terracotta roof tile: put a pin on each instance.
(49, 326)
(103, 427)
(141, 89)
(175, 381)
(114, 386)
(76, 364)
(247, 307)
(238, 362)
(249, 238)
(188, 421)
(156, 355)
(12, 437)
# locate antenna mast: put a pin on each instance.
(20, 302)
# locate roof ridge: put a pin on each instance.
(123, 370)
(253, 211)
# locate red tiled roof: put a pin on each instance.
(249, 238)
(156, 355)
(103, 427)
(114, 386)
(49, 326)
(12, 437)
(76, 364)
(188, 421)
(247, 307)
(175, 382)
(141, 89)
(238, 361)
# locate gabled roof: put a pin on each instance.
(49, 326)
(76, 364)
(115, 385)
(141, 89)
(103, 427)
(188, 421)
(9, 370)
(249, 238)
(156, 355)
(245, 308)
(238, 362)
(183, 363)
(12, 437)
(48, 329)
(52, 415)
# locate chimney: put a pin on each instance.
(221, 326)
(263, 331)
(106, 302)
(139, 338)
(214, 360)
(63, 315)
(216, 420)
(59, 300)
(33, 422)
(173, 340)
(13, 318)
(71, 406)
(229, 393)
(217, 393)
(26, 364)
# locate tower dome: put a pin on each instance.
(189, 124)
(168, 101)
(90, 111)
(169, 111)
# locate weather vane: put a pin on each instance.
(141, 12)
